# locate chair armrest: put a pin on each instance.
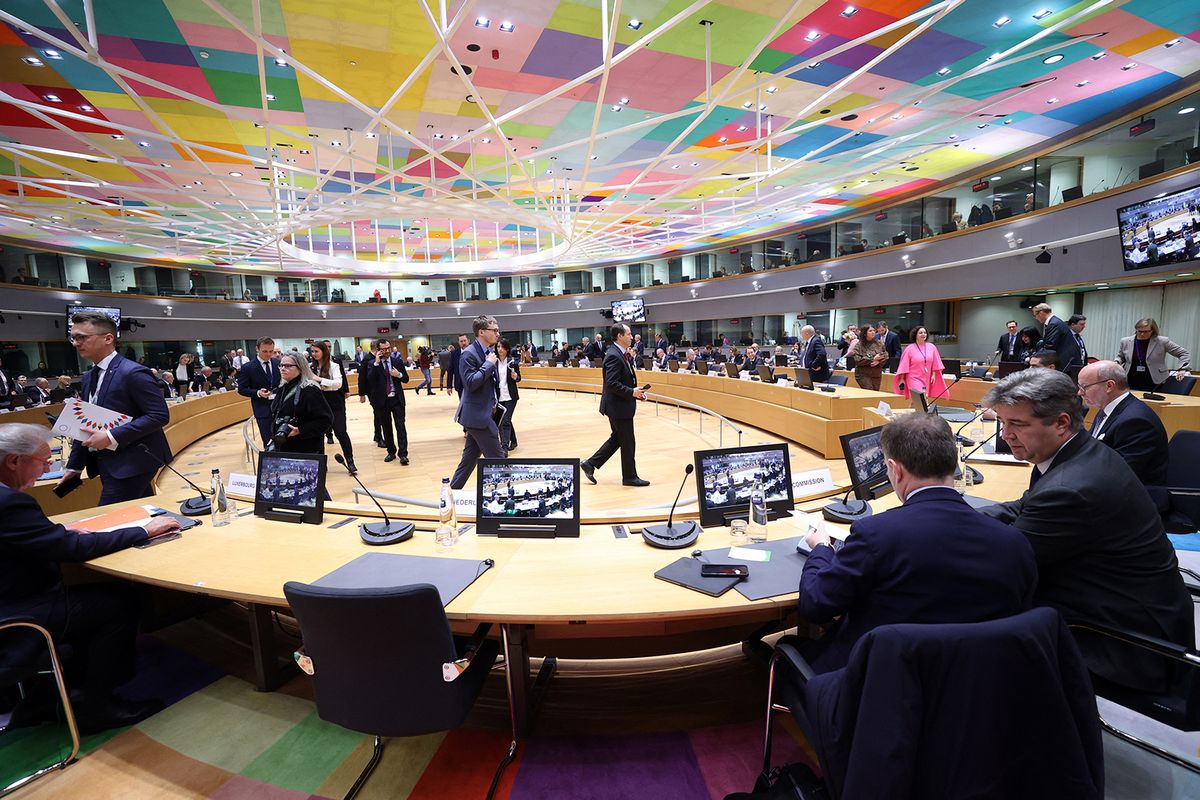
(788, 653)
(1162, 647)
(1180, 491)
(12, 622)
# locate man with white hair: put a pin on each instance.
(98, 620)
(813, 356)
(40, 392)
(1126, 424)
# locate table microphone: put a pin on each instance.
(845, 511)
(669, 536)
(386, 532)
(193, 506)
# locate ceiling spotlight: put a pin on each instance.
(849, 11)
(52, 98)
(270, 97)
(722, 140)
(1054, 59)
(235, 174)
(634, 24)
(33, 61)
(1040, 15)
(1187, 110)
(258, 124)
(1172, 43)
(762, 108)
(143, 144)
(747, 104)
(1129, 66)
(507, 27)
(55, 217)
(944, 71)
(1098, 56)
(624, 101)
(772, 89)
(118, 137)
(1082, 83)
(482, 22)
(616, 108)
(813, 65)
(281, 62)
(1051, 101)
(741, 128)
(697, 163)
(486, 140)
(336, 144)
(1001, 22)
(812, 36)
(778, 186)
(57, 56)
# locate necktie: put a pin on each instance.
(1097, 422)
(1012, 340)
(1034, 477)
(96, 373)
(629, 360)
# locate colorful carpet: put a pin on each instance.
(221, 739)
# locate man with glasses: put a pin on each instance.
(127, 457)
(618, 402)
(383, 383)
(1009, 343)
(1126, 424)
(479, 397)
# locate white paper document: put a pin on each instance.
(80, 419)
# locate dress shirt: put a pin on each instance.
(920, 489)
(1105, 413)
(181, 372)
(1012, 344)
(334, 382)
(502, 379)
(1044, 466)
(102, 365)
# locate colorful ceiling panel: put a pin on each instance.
(401, 138)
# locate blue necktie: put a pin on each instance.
(1034, 477)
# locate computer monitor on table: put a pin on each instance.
(803, 378)
(764, 373)
(647, 362)
(863, 451)
(726, 477)
(731, 370)
(532, 498)
(701, 366)
(673, 365)
(290, 486)
(781, 359)
(1007, 368)
(953, 366)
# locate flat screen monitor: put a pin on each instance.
(764, 373)
(864, 458)
(673, 365)
(781, 359)
(919, 402)
(1072, 193)
(532, 498)
(731, 369)
(701, 366)
(108, 311)
(949, 227)
(574, 362)
(725, 479)
(720, 358)
(1007, 368)
(1163, 230)
(647, 362)
(631, 310)
(291, 486)
(900, 238)
(1151, 169)
(1004, 212)
(803, 378)
(952, 366)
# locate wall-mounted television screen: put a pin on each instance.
(632, 310)
(1164, 230)
(114, 313)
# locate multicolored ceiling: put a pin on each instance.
(406, 138)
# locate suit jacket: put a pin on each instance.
(1156, 356)
(1002, 346)
(373, 380)
(815, 359)
(251, 378)
(455, 379)
(620, 379)
(1138, 435)
(31, 548)
(594, 351)
(128, 388)
(479, 389)
(891, 343)
(308, 407)
(37, 395)
(1059, 337)
(6, 387)
(1102, 555)
(933, 560)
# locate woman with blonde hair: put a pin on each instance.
(1144, 357)
(300, 414)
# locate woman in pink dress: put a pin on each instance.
(921, 368)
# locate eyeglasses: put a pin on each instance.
(288, 366)
(1086, 386)
(83, 337)
(493, 330)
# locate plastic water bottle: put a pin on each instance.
(756, 524)
(220, 503)
(976, 433)
(446, 535)
(962, 476)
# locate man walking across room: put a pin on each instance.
(479, 396)
(618, 403)
(257, 380)
(382, 383)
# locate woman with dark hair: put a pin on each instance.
(425, 364)
(1027, 344)
(921, 367)
(332, 379)
(299, 413)
(868, 357)
(509, 374)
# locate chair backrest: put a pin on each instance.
(837, 380)
(1172, 386)
(377, 658)
(1183, 460)
(984, 697)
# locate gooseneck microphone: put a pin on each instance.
(845, 511)
(671, 536)
(386, 532)
(193, 506)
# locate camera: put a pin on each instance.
(282, 429)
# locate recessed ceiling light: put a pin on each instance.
(117, 136)
(849, 11)
(1160, 280)
(1008, 122)
(1187, 110)
(1051, 100)
(1040, 15)
(722, 140)
(747, 104)
(1184, 275)
(235, 174)
(281, 62)
(674, 166)
(634, 24)
(33, 62)
(994, 178)
(507, 27)
(741, 128)
(1129, 66)
(1026, 168)
(270, 98)
(624, 101)
(143, 144)
(163, 164)
(616, 108)
(52, 98)
(55, 217)
(371, 135)
(779, 186)
(944, 71)
(812, 36)
(814, 65)
(303, 152)
(482, 22)
(1172, 43)
(1082, 83)
(486, 140)
(1098, 56)
(1054, 59)
(336, 144)
(57, 56)
(1001, 22)
(762, 107)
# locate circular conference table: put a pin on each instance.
(591, 596)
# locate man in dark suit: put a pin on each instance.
(618, 402)
(382, 383)
(932, 560)
(478, 398)
(891, 342)
(127, 457)
(456, 381)
(1077, 322)
(1058, 337)
(594, 350)
(813, 356)
(39, 392)
(98, 620)
(1099, 542)
(203, 380)
(257, 380)
(225, 365)
(6, 389)
(1009, 345)
(1125, 423)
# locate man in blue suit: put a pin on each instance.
(257, 380)
(127, 457)
(932, 560)
(1126, 424)
(1057, 336)
(98, 620)
(891, 342)
(456, 381)
(478, 398)
(813, 356)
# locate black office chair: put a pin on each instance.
(1183, 483)
(24, 671)
(837, 380)
(1184, 386)
(377, 658)
(1006, 702)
